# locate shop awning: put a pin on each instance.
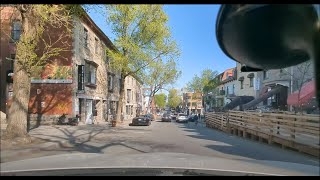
(308, 91)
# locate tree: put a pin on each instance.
(160, 74)
(299, 74)
(205, 83)
(142, 38)
(174, 100)
(35, 48)
(160, 100)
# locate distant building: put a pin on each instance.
(192, 102)
(133, 99)
(225, 90)
(248, 83)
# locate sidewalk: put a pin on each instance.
(61, 139)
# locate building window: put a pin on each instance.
(132, 96)
(90, 76)
(128, 95)
(16, 31)
(127, 109)
(80, 77)
(96, 48)
(110, 82)
(241, 84)
(227, 90)
(251, 82)
(265, 75)
(85, 37)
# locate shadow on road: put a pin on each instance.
(73, 141)
(230, 144)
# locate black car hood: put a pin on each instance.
(145, 162)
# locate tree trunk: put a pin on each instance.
(149, 110)
(120, 104)
(151, 103)
(18, 111)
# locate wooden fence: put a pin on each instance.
(299, 132)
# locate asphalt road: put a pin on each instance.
(158, 137)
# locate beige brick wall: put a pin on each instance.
(90, 53)
(136, 87)
(247, 90)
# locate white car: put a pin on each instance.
(182, 118)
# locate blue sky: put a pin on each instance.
(193, 28)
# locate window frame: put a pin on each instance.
(129, 95)
(111, 81)
(265, 75)
(251, 82)
(85, 37)
(14, 31)
(96, 45)
(90, 69)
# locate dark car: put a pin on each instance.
(192, 118)
(142, 120)
(150, 116)
(166, 118)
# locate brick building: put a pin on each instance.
(75, 82)
(133, 99)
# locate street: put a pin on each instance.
(158, 137)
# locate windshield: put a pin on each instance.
(236, 82)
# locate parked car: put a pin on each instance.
(182, 118)
(192, 118)
(173, 116)
(181, 114)
(142, 120)
(166, 118)
(151, 117)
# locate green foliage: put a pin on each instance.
(161, 74)
(160, 100)
(205, 83)
(37, 19)
(36, 73)
(174, 100)
(142, 37)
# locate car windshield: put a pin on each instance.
(136, 86)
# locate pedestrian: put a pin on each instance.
(196, 119)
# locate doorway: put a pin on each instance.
(89, 114)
